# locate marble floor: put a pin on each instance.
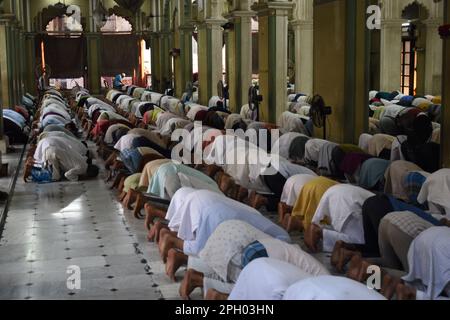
(51, 227)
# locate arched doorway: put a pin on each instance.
(120, 51)
(61, 49)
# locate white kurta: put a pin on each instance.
(293, 187)
(364, 141)
(396, 148)
(266, 279)
(72, 142)
(291, 122)
(342, 204)
(59, 142)
(330, 288)
(283, 144)
(312, 149)
(293, 254)
(193, 205)
(125, 142)
(429, 260)
(174, 213)
(436, 191)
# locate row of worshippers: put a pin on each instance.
(389, 112)
(17, 121)
(152, 213)
(132, 145)
(56, 151)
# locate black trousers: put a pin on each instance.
(276, 184)
(373, 210)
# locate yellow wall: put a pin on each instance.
(329, 63)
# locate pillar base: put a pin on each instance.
(4, 145)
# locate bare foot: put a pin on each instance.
(389, 286)
(226, 184)
(405, 292)
(445, 222)
(121, 184)
(138, 207)
(313, 234)
(175, 260)
(282, 210)
(129, 199)
(214, 295)
(165, 244)
(211, 170)
(293, 223)
(344, 257)
(151, 213)
(259, 201)
(192, 280)
(122, 196)
(358, 268)
(242, 194)
(155, 230)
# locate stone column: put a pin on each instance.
(7, 96)
(240, 58)
(184, 67)
(165, 59)
(445, 117)
(433, 58)
(304, 55)
(340, 73)
(6, 62)
(210, 44)
(30, 63)
(156, 65)
(391, 49)
(273, 55)
(93, 62)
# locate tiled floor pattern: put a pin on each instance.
(53, 226)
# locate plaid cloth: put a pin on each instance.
(253, 251)
(409, 223)
(413, 182)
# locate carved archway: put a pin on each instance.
(415, 11)
(46, 15)
(124, 13)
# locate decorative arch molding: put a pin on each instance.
(415, 11)
(124, 13)
(393, 9)
(49, 13)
